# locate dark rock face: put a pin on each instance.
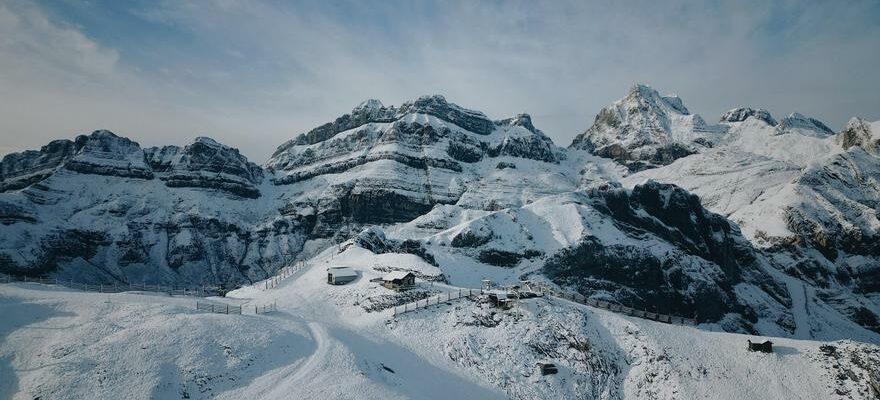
(160, 159)
(104, 153)
(465, 149)
(208, 164)
(637, 276)
(503, 258)
(373, 239)
(742, 113)
(662, 155)
(19, 170)
(367, 112)
(473, 121)
(532, 147)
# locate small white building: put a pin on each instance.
(340, 275)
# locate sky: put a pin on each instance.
(253, 74)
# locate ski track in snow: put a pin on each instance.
(343, 352)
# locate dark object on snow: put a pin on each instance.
(500, 300)
(547, 368)
(399, 280)
(766, 347)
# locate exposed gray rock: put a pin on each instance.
(211, 165)
(740, 114)
(858, 133)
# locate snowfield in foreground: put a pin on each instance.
(323, 343)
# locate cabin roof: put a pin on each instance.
(341, 271)
(396, 275)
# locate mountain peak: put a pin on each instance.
(369, 104)
(859, 132)
(806, 125)
(740, 114)
(645, 129)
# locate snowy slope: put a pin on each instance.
(322, 343)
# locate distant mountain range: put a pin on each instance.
(752, 224)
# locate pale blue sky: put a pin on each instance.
(253, 74)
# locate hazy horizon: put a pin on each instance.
(255, 74)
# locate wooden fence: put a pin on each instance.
(282, 273)
(218, 308)
(202, 291)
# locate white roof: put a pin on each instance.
(396, 275)
(342, 271)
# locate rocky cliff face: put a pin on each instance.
(101, 209)
(391, 164)
(208, 164)
(101, 153)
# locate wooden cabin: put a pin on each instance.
(399, 280)
(765, 347)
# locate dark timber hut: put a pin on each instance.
(766, 347)
(399, 280)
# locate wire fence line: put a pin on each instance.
(199, 291)
(619, 308)
(436, 300)
(574, 297)
(282, 274)
(266, 308)
(218, 308)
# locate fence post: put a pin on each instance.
(227, 308)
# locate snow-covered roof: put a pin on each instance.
(342, 271)
(395, 275)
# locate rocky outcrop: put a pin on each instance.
(394, 170)
(210, 165)
(859, 132)
(641, 277)
(100, 153)
(740, 114)
(436, 105)
(104, 153)
(20, 170)
(644, 130)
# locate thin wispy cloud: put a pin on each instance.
(254, 74)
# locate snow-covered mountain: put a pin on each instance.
(752, 225)
(481, 198)
(646, 129)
